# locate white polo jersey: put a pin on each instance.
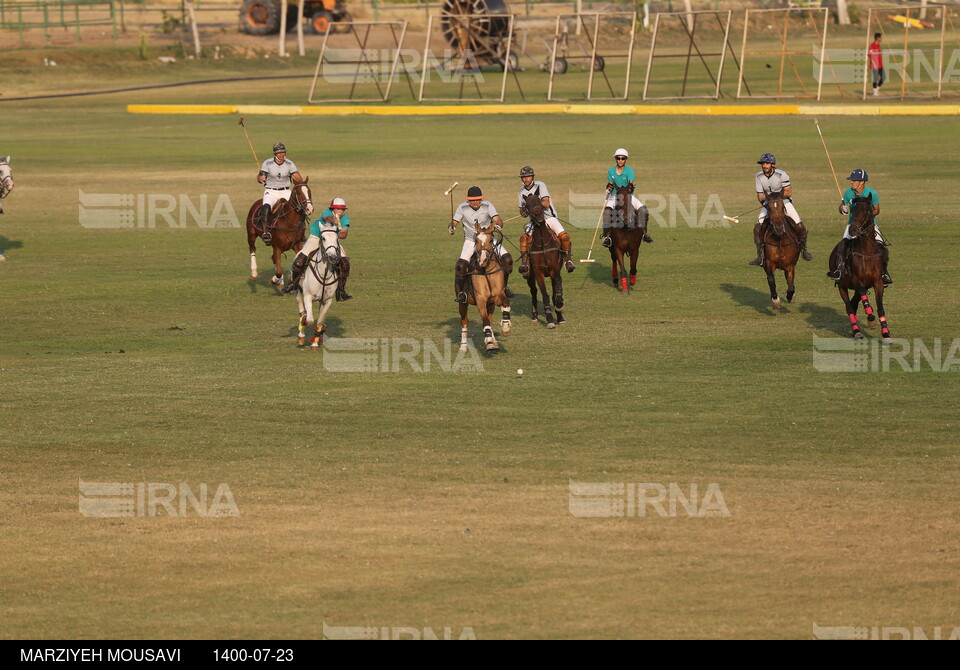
(278, 176)
(539, 189)
(775, 183)
(471, 218)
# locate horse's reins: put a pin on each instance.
(316, 261)
(301, 211)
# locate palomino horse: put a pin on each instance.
(6, 185)
(489, 283)
(319, 283)
(781, 249)
(626, 231)
(286, 223)
(546, 259)
(863, 269)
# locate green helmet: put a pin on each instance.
(279, 147)
(526, 171)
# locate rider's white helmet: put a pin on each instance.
(338, 202)
(621, 152)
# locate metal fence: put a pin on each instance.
(22, 15)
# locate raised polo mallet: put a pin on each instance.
(588, 259)
(249, 142)
(840, 192)
(449, 192)
(736, 219)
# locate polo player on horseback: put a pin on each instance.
(772, 180)
(858, 189)
(6, 180)
(475, 211)
(276, 175)
(538, 188)
(334, 215)
(618, 176)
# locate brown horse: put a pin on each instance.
(546, 259)
(626, 232)
(781, 247)
(286, 223)
(489, 283)
(862, 268)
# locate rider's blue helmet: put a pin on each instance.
(767, 158)
(858, 175)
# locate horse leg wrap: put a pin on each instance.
(883, 327)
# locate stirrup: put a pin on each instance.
(266, 237)
(570, 266)
(647, 239)
(835, 275)
(524, 271)
(757, 261)
(607, 242)
(291, 287)
(461, 298)
(885, 278)
(807, 256)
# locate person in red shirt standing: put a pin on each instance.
(875, 53)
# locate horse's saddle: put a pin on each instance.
(767, 227)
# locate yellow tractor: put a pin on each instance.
(262, 17)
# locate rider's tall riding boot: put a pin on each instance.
(802, 241)
(460, 277)
(564, 239)
(756, 240)
(296, 272)
(342, 279)
(524, 256)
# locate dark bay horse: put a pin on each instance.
(546, 259)
(286, 223)
(862, 268)
(626, 232)
(781, 249)
(488, 283)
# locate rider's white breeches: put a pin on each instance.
(787, 206)
(469, 246)
(552, 223)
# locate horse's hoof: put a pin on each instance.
(463, 348)
(561, 322)
(253, 276)
(776, 303)
(315, 346)
(504, 329)
(790, 300)
(871, 318)
(888, 340)
(858, 336)
(633, 279)
(551, 326)
(301, 340)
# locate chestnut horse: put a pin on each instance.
(286, 223)
(626, 232)
(862, 269)
(781, 249)
(546, 259)
(489, 284)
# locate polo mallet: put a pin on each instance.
(596, 230)
(250, 143)
(449, 192)
(840, 192)
(736, 219)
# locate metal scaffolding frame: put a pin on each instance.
(595, 62)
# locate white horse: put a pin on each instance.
(6, 185)
(319, 283)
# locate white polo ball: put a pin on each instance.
(520, 372)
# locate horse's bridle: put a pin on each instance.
(324, 230)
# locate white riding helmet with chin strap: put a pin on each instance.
(621, 152)
(338, 202)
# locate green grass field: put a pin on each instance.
(440, 499)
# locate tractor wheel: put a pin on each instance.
(599, 63)
(560, 66)
(321, 21)
(344, 17)
(260, 17)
